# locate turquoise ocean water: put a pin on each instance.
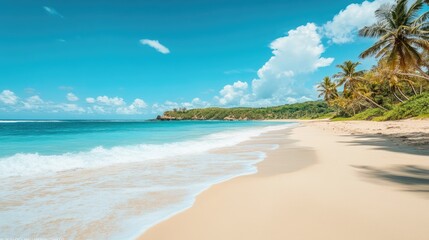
(114, 179)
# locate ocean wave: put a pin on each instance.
(32, 164)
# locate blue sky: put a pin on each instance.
(135, 59)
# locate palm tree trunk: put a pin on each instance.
(394, 94)
(412, 87)
(371, 101)
(399, 90)
(425, 76)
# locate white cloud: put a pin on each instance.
(90, 100)
(34, 102)
(105, 104)
(135, 108)
(197, 102)
(98, 109)
(155, 44)
(298, 52)
(232, 94)
(169, 105)
(99, 105)
(139, 103)
(115, 101)
(294, 55)
(52, 11)
(344, 25)
(67, 107)
(8, 97)
(71, 97)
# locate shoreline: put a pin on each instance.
(258, 165)
(223, 150)
(218, 205)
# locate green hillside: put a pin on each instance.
(307, 110)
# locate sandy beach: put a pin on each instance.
(347, 180)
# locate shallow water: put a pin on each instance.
(113, 180)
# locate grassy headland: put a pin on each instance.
(415, 107)
(307, 110)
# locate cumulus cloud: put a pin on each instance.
(198, 103)
(36, 103)
(135, 108)
(232, 94)
(169, 105)
(67, 107)
(51, 11)
(90, 100)
(98, 105)
(344, 26)
(297, 53)
(71, 97)
(8, 97)
(114, 101)
(156, 45)
(105, 104)
(33, 102)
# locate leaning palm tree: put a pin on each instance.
(353, 80)
(328, 89)
(402, 36)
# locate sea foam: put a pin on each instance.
(25, 164)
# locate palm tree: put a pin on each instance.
(328, 89)
(349, 76)
(402, 36)
(383, 74)
(353, 81)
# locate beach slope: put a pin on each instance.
(319, 184)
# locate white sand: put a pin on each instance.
(319, 184)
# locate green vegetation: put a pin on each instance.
(416, 107)
(307, 110)
(397, 87)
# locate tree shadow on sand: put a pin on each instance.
(412, 143)
(408, 178)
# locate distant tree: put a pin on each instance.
(328, 89)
